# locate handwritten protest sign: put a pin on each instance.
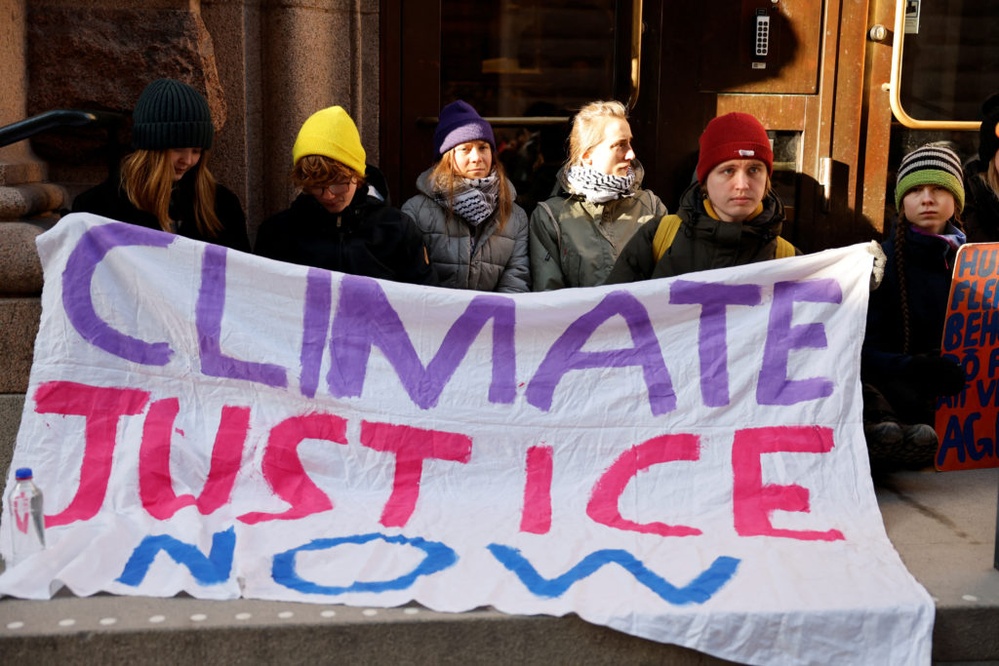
(968, 424)
(681, 460)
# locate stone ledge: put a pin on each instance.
(19, 319)
(18, 202)
(20, 267)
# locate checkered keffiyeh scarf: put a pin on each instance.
(475, 199)
(598, 187)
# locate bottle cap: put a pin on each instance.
(22, 474)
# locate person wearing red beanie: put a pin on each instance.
(729, 217)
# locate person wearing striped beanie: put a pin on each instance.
(981, 179)
(165, 183)
(902, 368)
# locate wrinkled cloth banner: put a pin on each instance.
(681, 460)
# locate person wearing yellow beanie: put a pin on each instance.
(341, 220)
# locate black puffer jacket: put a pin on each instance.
(702, 242)
(109, 200)
(367, 238)
(980, 217)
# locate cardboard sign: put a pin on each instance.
(682, 460)
(968, 424)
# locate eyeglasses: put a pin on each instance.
(335, 189)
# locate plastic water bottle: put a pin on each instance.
(27, 516)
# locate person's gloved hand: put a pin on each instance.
(878, 269)
(935, 375)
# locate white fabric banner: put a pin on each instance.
(682, 459)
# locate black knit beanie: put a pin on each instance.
(171, 114)
(988, 142)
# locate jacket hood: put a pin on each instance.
(768, 223)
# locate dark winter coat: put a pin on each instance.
(702, 242)
(367, 238)
(109, 200)
(980, 217)
(496, 262)
(929, 260)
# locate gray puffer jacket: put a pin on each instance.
(498, 261)
(576, 244)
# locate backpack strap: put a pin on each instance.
(670, 224)
(665, 233)
(551, 215)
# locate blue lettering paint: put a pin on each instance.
(774, 387)
(210, 570)
(698, 591)
(438, 558)
(364, 318)
(567, 354)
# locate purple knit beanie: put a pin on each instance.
(460, 123)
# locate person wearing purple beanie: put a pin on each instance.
(476, 235)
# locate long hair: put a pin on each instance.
(147, 179)
(901, 229)
(588, 128)
(444, 178)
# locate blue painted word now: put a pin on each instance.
(215, 568)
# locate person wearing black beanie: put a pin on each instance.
(165, 183)
(981, 179)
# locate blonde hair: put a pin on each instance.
(588, 127)
(147, 179)
(320, 171)
(444, 178)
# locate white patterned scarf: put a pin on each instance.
(475, 199)
(599, 187)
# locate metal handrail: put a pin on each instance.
(636, 52)
(25, 129)
(895, 93)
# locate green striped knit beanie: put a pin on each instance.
(932, 164)
(171, 114)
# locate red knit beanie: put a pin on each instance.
(734, 136)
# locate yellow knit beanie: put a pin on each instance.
(331, 133)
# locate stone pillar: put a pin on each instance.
(317, 53)
(22, 194)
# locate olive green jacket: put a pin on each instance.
(574, 243)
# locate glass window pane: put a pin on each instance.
(527, 58)
(950, 62)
